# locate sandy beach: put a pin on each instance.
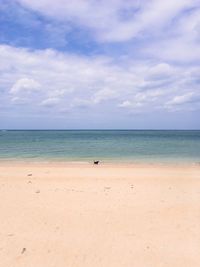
(78, 215)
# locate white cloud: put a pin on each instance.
(117, 20)
(186, 101)
(168, 31)
(125, 104)
(50, 102)
(178, 49)
(76, 82)
(161, 71)
(24, 85)
(181, 99)
(179, 43)
(80, 103)
(143, 99)
(18, 100)
(63, 75)
(104, 94)
(131, 105)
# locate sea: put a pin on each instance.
(125, 146)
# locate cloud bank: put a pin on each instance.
(53, 77)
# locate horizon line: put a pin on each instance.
(98, 129)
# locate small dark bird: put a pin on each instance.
(96, 162)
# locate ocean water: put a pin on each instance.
(104, 145)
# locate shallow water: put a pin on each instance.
(105, 145)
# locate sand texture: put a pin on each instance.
(63, 215)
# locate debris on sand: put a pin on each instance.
(38, 191)
(23, 250)
(107, 187)
(30, 174)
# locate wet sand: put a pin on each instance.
(78, 215)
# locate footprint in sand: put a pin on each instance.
(10, 234)
(107, 188)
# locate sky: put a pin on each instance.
(99, 64)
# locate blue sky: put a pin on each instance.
(99, 64)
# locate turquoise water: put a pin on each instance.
(106, 145)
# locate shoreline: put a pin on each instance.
(67, 170)
(77, 163)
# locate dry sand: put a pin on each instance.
(62, 215)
